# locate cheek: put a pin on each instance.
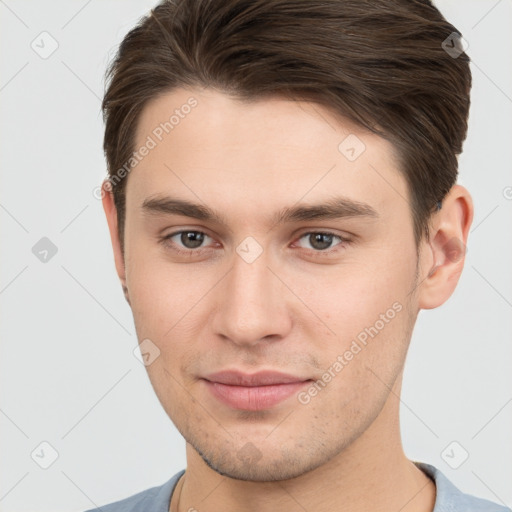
(169, 308)
(161, 293)
(366, 318)
(353, 295)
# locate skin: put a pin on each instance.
(294, 309)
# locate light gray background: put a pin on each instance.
(68, 373)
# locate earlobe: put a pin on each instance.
(126, 295)
(112, 221)
(444, 254)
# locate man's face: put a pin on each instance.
(251, 293)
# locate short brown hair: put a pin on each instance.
(382, 64)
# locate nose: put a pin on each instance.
(252, 304)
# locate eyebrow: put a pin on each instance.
(334, 208)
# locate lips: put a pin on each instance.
(253, 392)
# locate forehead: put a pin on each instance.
(217, 117)
(207, 144)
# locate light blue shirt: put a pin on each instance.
(448, 497)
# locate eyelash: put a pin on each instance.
(190, 252)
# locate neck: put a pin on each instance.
(373, 473)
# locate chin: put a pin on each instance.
(249, 464)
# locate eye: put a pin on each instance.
(185, 241)
(189, 242)
(319, 241)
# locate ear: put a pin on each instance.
(443, 255)
(111, 214)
